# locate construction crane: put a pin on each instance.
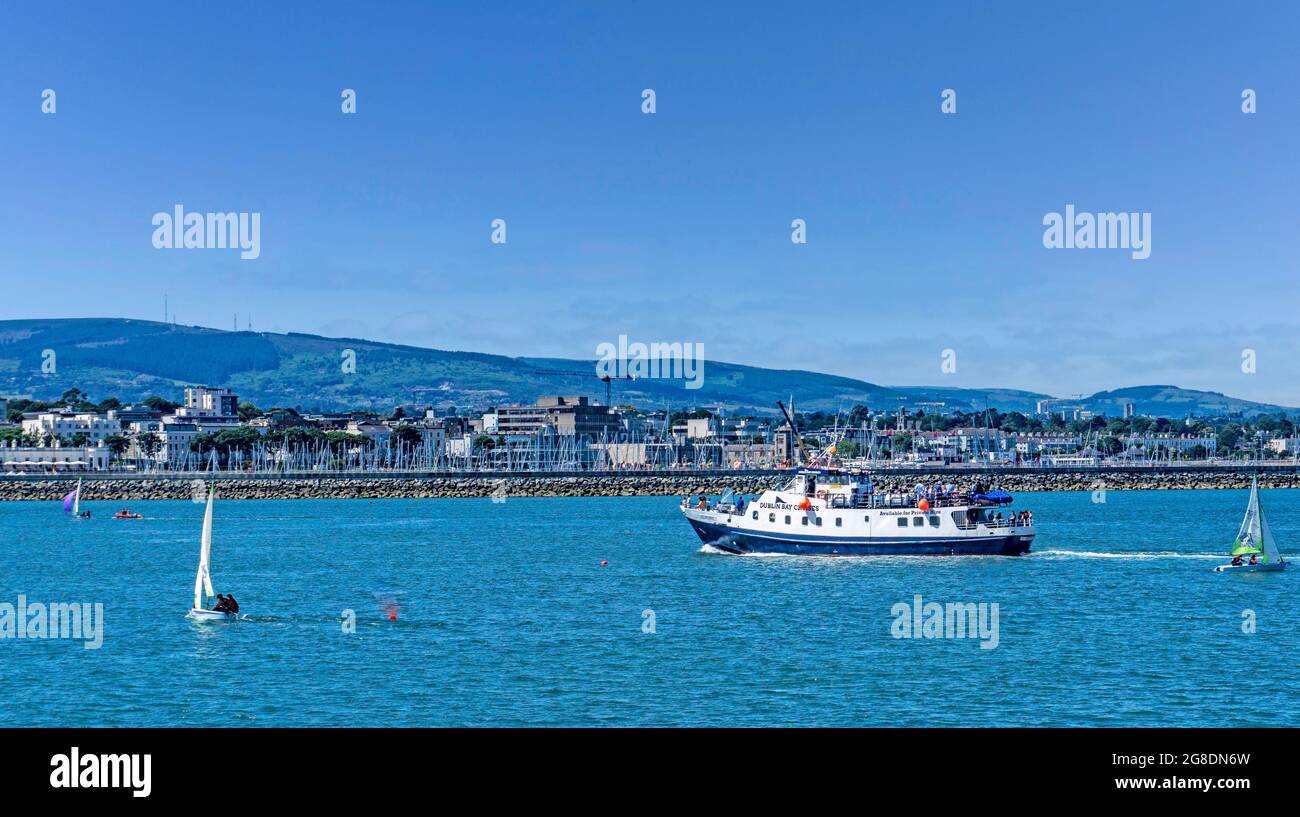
(789, 418)
(607, 378)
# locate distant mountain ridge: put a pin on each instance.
(132, 359)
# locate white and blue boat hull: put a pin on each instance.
(734, 539)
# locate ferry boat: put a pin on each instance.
(827, 512)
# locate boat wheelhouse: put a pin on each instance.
(826, 512)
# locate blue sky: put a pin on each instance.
(924, 229)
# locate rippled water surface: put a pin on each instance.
(506, 616)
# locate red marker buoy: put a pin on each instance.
(603, 563)
(392, 616)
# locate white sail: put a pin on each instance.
(76, 500)
(203, 579)
(1250, 533)
(1266, 540)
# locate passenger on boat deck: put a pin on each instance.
(704, 503)
(220, 606)
(1236, 560)
(232, 606)
(1253, 560)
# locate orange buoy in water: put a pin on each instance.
(924, 504)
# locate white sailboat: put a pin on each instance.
(72, 503)
(203, 579)
(1255, 539)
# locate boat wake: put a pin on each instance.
(1099, 554)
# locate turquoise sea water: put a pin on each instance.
(506, 616)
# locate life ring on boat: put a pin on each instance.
(821, 494)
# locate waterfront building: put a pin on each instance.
(433, 434)
(374, 431)
(1182, 444)
(569, 416)
(56, 424)
(127, 416)
(205, 401)
(176, 433)
(54, 458)
(1284, 445)
(1035, 443)
(459, 446)
(699, 428)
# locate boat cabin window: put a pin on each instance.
(902, 521)
(969, 518)
(819, 521)
(803, 520)
(934, 521)
(755, 514)
(771, 517)
(918, 521)
(839, 522)
(787, 519)
(810, 485)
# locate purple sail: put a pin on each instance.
(67, 501)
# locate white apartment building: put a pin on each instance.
(205, 401)
(68, 423)
(175, 433)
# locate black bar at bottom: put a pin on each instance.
(238, 767)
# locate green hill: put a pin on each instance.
(132, 359)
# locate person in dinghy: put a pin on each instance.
(226, 608)
(226, 604)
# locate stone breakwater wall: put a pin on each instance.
(135, 489)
